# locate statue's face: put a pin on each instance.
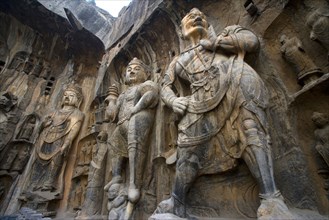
(70, 98)
(194, 24)
(318, 21)
(114, 191)
(319, 119)
(135, 74)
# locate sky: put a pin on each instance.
(112, 6)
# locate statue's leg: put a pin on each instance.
(186, 172)
(117, 166)
(137, 158)
(257, 156)
(117, 145)
(138, 133)
(53, 172)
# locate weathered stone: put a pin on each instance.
(266, 109)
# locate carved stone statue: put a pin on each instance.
(293, 52)
(10, 157)
(321, 135)
(93, 190)
(21, 159)
(7, 102)
(224, 117)
(318, 21)
(133, 111)
(83, 153)
(27, 129)
(58, 131)
(117, 201)
(18, 61)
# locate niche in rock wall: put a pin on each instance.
(86, 148)
(16, 156)
(3, 52)
(311, 117)
(6, 183)
(17, 62)
(297, 59)
(2, 64)
(49, 85)
(301, 65)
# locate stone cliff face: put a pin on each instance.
(45, 46)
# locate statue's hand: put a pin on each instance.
(225, 42)
(180, 105)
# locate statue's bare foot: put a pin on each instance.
(166, 206)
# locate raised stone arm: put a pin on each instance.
(178, 104)
(114, 104)
(149, 98)
(237, 39)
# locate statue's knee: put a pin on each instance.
(134, 195)
(187, 162)
(254, 136)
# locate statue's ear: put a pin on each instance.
(211, 34)
(79, 103)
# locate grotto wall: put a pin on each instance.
(67, 85)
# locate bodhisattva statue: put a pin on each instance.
(58, 131)
(224, 117)
(134, 112)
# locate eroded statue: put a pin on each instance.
(224, 117)
(7, 103)
(318, 21)
(117, 201)
(58, 131)
(134, 112)
(321, 134)
(293, 51)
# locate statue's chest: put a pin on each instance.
(61, 118)
(200, 64)
(132, 95)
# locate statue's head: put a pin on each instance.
(137, 72)
(320, 119)
(318, 21)
(72, 96)
(114, 191)
(194, 23)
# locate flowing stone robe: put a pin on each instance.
(225, 91)
(50, 162)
